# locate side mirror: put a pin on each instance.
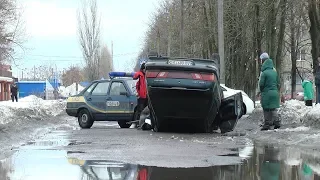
(123, 93)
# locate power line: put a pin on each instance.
(79, 57)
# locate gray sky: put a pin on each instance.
(51, 29)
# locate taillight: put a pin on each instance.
(196, 76)
(202, 76)
(162, 75)
(180, 75)
(152, 74)
(208, 77)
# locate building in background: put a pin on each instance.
(6, 80)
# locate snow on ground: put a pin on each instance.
(312, 117)
(293, 112)
(30, 107)
(300, 126)
(70, 90)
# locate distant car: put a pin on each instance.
(248, 104)
(104, 100)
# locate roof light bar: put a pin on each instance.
(120, 74)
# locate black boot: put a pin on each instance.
(265, 128)
(277, 126)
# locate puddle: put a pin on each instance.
(31, 162)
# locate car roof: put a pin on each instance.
(108, 80)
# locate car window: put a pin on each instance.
(101, 89)
(116, 88)
(132, 85)
(89, 89)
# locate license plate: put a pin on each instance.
(182, 63)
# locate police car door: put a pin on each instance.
(118, 102)
(97, 100)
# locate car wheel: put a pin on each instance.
(85, 120)
(155, 124)
(205, 127)
(123, 124)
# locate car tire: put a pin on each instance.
(123, 124)
(155, 124)
(205, 127)
(84, 119)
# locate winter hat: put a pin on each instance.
(264, 56)
(143, 66)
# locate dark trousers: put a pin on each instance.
(308, 102)
(14, 97)
(142, 103)
(271, 117)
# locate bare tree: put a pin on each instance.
(40, 73)
(105, 64)
(89, 36)
(258, 26)
(72, 75)
(11, 31)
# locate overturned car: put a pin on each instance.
(187, 91)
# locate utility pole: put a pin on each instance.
(112, 55)
(34, 73)
(221, 41)
(170, 33)
(182, 30)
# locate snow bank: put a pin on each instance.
(30, 107)
(292, 111)
(70, 90)
(312, 117)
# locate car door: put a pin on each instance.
(231, 110)
(97, 99)
(118, 101)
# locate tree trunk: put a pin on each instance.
(182, 29)
(158, 41)
(293, 53)
(273, 31)
(314, 16)
(281, 37)
(170, 32)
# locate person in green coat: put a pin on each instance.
(308, 92)
(269, 84)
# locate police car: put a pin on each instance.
(105, 100)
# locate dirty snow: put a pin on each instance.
(297, 129)
(293, 112)
(29, 107)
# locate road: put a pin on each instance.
(105, 150)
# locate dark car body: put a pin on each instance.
(105, 100)
(188, 91)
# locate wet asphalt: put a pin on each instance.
(107, 152)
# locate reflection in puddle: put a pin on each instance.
(260, 162)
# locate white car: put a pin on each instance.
(248, 103)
